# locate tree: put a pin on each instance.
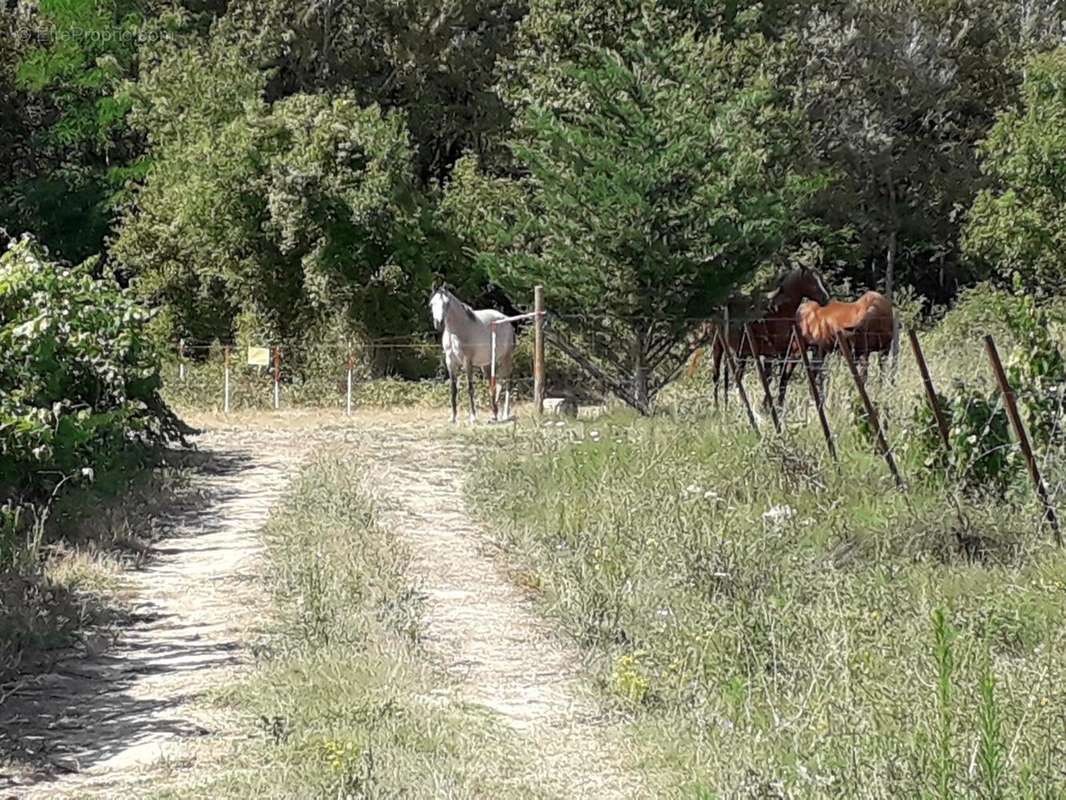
(1019, 227)
(79, 381)
(666, 174)
(434, 61)
(899, 94)
(78, 149)
(287, 212)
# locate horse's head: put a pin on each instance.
(438, 306)
(798, 285)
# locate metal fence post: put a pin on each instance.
(538, 349)
(1023, 439)
(277, 378)
(816, 396)
(348, 399)
(871, 412)
(930, 391)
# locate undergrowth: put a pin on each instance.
(780, 627)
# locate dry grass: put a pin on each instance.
(770, 620)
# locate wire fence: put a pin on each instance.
(755, 369)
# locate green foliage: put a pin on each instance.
(668, 170)
(945, 667)
(992, 753)
(292, 212)
(982, 455)
(681, 191)
(78, 383)
(434, 61)
(1018, 226)
(1036, 369)
(74, 119)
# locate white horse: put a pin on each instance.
(467, 343)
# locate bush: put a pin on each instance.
(982, 456)
(78, 384)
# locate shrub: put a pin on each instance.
(79, 381)
(981, 455)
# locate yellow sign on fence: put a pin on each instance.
(258, 356)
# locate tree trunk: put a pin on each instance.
(890, 267)
(640, 370)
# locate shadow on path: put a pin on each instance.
(116, 711)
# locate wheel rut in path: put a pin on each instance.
(98, 725)
(481, 626)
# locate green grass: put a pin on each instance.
(342, 703)
(773, 623)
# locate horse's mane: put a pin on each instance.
(462, 303)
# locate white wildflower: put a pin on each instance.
(778, 515)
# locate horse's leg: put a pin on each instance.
(508, 367)
(494, 395)
(716, 369)
(784, 376)
(762, 363)
(470, 389)
(453, 380)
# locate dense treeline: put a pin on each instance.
(287, 167)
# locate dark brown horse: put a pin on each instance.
(770, 323)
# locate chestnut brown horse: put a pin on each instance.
(770, 323)
(868, 324)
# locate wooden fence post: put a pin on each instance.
(348, 397)
(277, 378)
(930, 391)
(871, 412)
(225, 380)
(816, 396)
(538, 349)
(755, 355)
(732, 364)
(1023, 438)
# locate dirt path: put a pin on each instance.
(98, 724)
(108, 726)
(482, 628)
